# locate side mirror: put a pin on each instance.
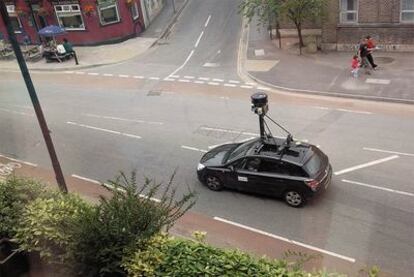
(231, 168)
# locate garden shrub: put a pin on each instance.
(124, 222)
(47, 226)
(15, 195)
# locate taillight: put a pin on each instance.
(313, 184)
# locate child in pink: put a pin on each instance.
(355, 66)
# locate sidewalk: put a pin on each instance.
(327, 73)
(93, 56)
(219, 232)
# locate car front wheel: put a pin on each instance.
(213, 183)
(294, 198)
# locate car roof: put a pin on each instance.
(297, 152)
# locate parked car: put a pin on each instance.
(269, 168)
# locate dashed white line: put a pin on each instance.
(203, 78)
(199, 82)
(224, 97)
(189, 77)
(388, 151)
(138, 77)
(174, 76)
(169, 80)
(207, 21)
(184, 80)
(123, 76)
(213, 83)
(366, 165)
(103, 130)
(193, 148)
(378, 81)
(69, 72)
(14, 112)
(79, 72)
(108, 75)
(198, 40)
(93, 74)
(86, 179)
(244, 86)
(250, 84)
(264, 88)
(124, 119)
(228, 131)
(234, 82)
(154, 78)
(346, 258)
(19, 161)
(379, 188)
(352, 111)
(230, 85)
(321, 108)
(218, 80)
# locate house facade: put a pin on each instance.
(389, 22)
(87, 22)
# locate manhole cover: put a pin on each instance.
(154, 93)
(383, 60)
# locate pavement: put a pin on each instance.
(220, 232)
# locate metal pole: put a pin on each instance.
(262, 129)
(36, 104)
(173, 4)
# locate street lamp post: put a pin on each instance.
(173, 4)
(33, 96)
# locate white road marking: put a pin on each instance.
(138, 77)
(93, 74)
(124, 119)
(169, 80)
(123, 191)
(246, 86)
(14, 112)
(154, 78)
(184, 80)
(227, 142)
(19, 161)
(103, 130)
(204, 78)
(230, 85)
(213, 83)
(174, 76)
(189, 77)
(259, 52)
(21, 107)
(86, 179)
(211, 65)
(388, 151)
(218, 80)
(321, 108)
(69, 72)
(378, 81)
(228, 131)
(366, 165)
(123, 76)
(108, 75)
(207, 21)
(199, 82)
(224, 97)
(79, 72)
(181, 66)
(379, 188)
(234, 82)
(352, 111)
(198, 40)
(346, 258)
(263, 88)
(193, 148)
(249, 84)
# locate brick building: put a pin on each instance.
(389, 22)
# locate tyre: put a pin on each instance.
(294, 198)
(213, 183)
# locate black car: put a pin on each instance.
(295, 172)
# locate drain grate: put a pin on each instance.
(154, 93)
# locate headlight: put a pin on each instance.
(200, 167)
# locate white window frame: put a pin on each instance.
(405, 11)
(345, 12)
(11, 10)
(135, 7)
(68, 9)
(109, 7)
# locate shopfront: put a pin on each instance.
(87, 22)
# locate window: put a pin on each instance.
(407, 11)
(108, 13)
(349, 11)
(69, 17)
(273, 166)
(14, 19)
(134, 11)
(313, 165)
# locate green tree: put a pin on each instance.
(299, 11)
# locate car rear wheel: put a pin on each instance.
(294, 198)
(213, 183)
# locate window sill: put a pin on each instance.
(110, 23)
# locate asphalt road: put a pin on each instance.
(127, 117)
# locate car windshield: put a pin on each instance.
(240, 150)
(313, 165)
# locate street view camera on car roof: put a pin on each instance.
(260, 107)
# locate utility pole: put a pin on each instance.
(173, 4)
(33, 96)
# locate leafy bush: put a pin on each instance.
(125, 222)
(168, 256)
(47, 226)
(15, 194)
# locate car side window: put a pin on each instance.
(273, 166)
(295, 170)
(252, 164)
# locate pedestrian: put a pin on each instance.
(69, 49)
(371, 47)
(355, 66)
(363, 52)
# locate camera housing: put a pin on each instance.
(259, 103)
